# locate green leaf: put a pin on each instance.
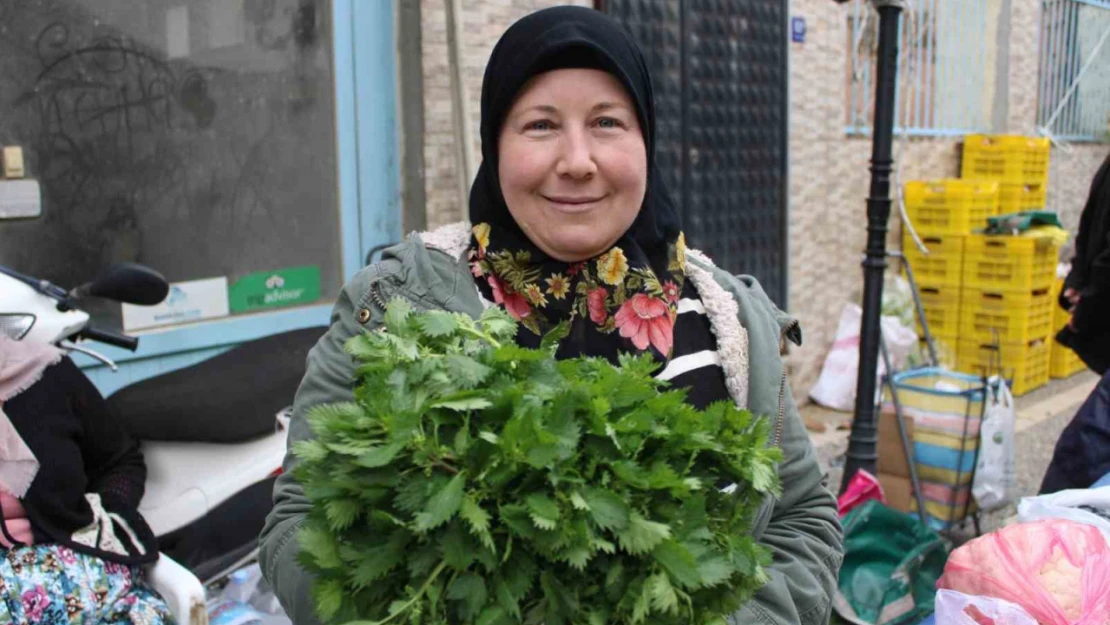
(397, 315)
(438, 323)
(578, 501)
(321, 546)
(678, 561)
(458, 548)
(663, 596)
(465, 404)
(494, 615)
(376, 561)
(341, 513)
(554, 336)
(471, 591)
(443, 505)
(642, 535)
(578, 557)
(478, 520)
(608, 510)
(714, 571)
(497, 321)
(544, 511)
(329, 595)
(379, 456)
(310, 450)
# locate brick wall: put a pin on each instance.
(484, 21)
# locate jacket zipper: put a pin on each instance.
(776, 439)
(376, 295)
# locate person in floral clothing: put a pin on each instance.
(72, 542)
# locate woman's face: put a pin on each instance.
(573, 164)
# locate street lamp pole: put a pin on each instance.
(862, 442)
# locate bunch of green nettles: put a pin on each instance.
(475, 481)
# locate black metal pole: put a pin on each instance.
(863, 439)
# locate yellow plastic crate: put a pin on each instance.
(1009, 263)
(1014, 198)
(942, 310)
(945, 263)
(1005, 316)
(1007, 158)
(1025, 365)
(1064, 363)
(950, 206)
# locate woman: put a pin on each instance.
(71, 537)
(571, 222)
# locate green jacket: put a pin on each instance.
(801, 527)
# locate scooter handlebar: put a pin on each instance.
(129, 343)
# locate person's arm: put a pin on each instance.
(112, 457)
(804, 536)
(1090, 312)
(329, 376)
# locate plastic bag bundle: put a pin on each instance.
(1056, 570)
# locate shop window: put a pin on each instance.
(194, 136)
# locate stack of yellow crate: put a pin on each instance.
(1006, 313)
(944, 213)
(987, 299)
(1064, 363)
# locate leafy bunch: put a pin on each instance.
(473, 481)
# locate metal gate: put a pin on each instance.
(720, 74)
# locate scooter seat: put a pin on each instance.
(185, 481)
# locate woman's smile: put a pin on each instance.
(574, 204)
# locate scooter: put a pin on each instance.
(208, 490)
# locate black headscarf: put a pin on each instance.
(624, 299)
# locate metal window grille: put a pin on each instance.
(946, 68)
(1074, 89)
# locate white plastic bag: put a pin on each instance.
(996, 473)
(1084, 505)
(836, 386)
(955, 608)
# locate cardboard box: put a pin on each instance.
(892, 458)
(898, 492)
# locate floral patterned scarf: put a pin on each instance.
(613, 302)
(624, 300)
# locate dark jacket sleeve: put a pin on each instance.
(804, 536)
(113, 460)
(1090, 272)
(1090, 316)
(328, 378)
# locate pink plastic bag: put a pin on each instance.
(1057, 570)
(863, 488)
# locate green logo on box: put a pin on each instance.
(275, 289)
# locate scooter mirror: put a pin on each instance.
(129, 283)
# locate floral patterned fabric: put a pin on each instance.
(612, 303)
(52, 584)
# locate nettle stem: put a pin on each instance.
(408, 604)
(482, 335)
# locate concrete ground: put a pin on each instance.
(1041, 416)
